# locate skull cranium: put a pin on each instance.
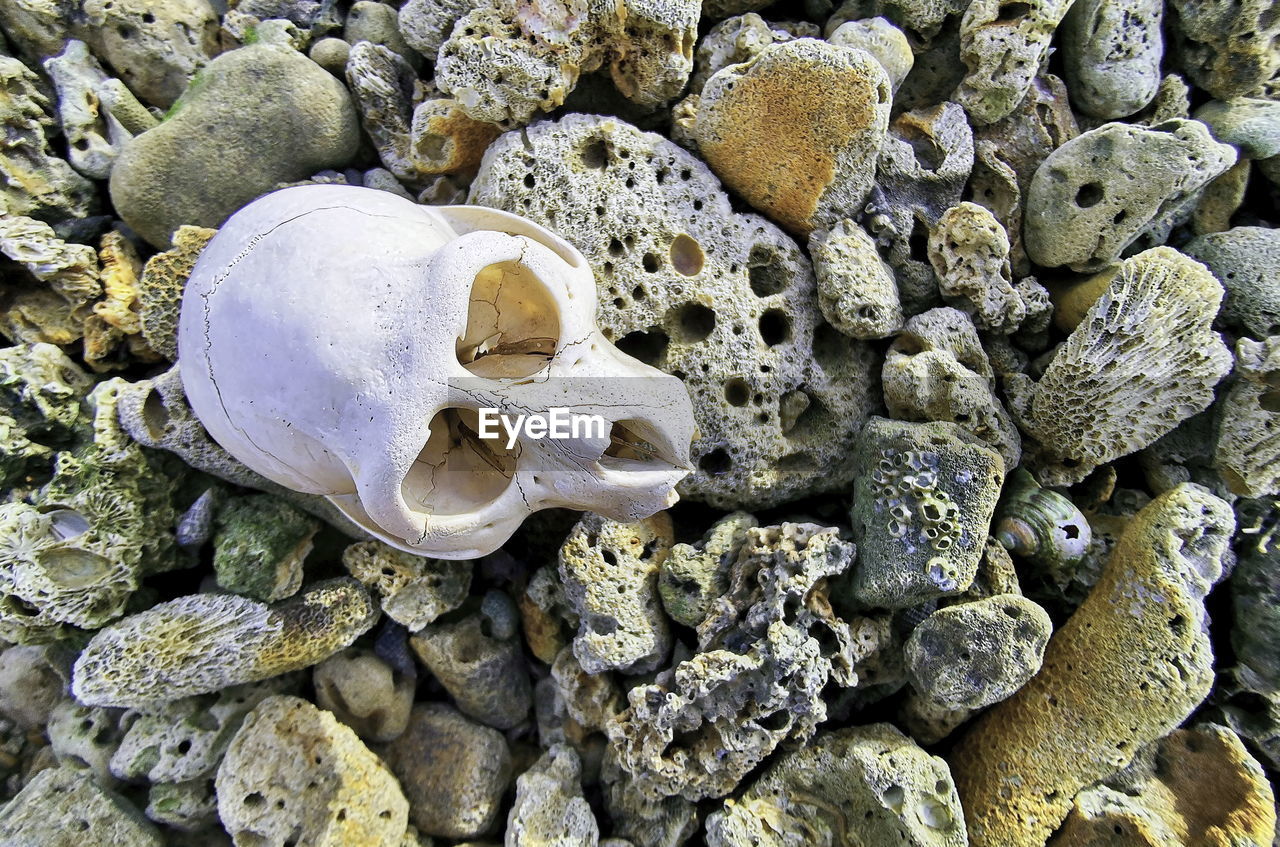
(344, 341)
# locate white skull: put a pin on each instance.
(342, 341)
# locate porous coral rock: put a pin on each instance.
(1225, 49)
(922, 506)
(610, 575)
(426, 24)
(65, 807)
(863, 785)
(260, 545)
(645, 821)
(1255, 628)
(1130, 665)
(224, 144)
(936, 370)
(187, 807)
(971, 655)
(160, 289)
(95, 135)
(1250, 124)
(969, 251)
(293, 773)
(723, 300)
(365, 693)
(204, 642)
(29, 686)
(766, 651)
(413, 590)
(1246, 260)
(1002, 44)
(69, 270)
(545, 616)
(154, 47)
(35, 181)
(487, 676)
(1221, 199)
(1206, 789)
(41, 388)
(1248, 444)
(1084, 214)
(810, 166)
(739, 39)
(454, 771)
(85, 737)
(1111, 55)
(1146, 343)
(882, 40)
(694, 575)
(856, 290)
(549, 810)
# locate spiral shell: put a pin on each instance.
(1040, 525)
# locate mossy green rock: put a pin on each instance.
(252, 119)
(259, 547)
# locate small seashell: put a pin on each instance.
(195, 527)
(1040, 525)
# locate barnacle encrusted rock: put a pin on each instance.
(1144, 358)
(936, 370)
(610, 576)
(971, 655)
(1226, 49)
(765, 652)
(1111, 55)
(922, 505)
(856, 290)
(486, 675)
(1248, 449)
(1002, 44)
(259, 547)
(1115, 186)
(882, 40)
(693, 576)
(204, 642)
(725, 301)
(65, 807)
(969, 251)
(809, 166)
(1125, 669)
(35, 181)
(1205, 788)
(1246, 260)
(225, 144)
(549, 810)
(454, 771)
(365, 693)
(862, 785)
(413, 590)
(294, 774)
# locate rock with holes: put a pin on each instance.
(969, 251)
(1247, 453)
(1203, 787)
(41, 390)
(936, 370)
(413, 590)
(550, 810)
(1111, 55)
(224, 144)
(1246, 260)
(642, 820)
(922, 507)
(259, 547)
(1147, 343)
(971, 655)
(85, 737)
(295, 775)
(160, 289)
(1129, 666)
(365, 693)
(856, 290)
(155, 48)
(610, 576)
(65, 807)
(1116, 186)
(1227, 49)
(723, 300)
(188, 807)
(863, 785)
(486, 675)
(693, 576)
(204, 642)
(810, 165)
(766, 650)
(881, 39)
(184, 740)
(739, 39)
(454, 772)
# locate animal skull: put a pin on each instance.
(343, 341)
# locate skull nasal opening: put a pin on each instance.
(513, 324)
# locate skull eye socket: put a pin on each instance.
(513, 324)
(632, 441)
(457, 471)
